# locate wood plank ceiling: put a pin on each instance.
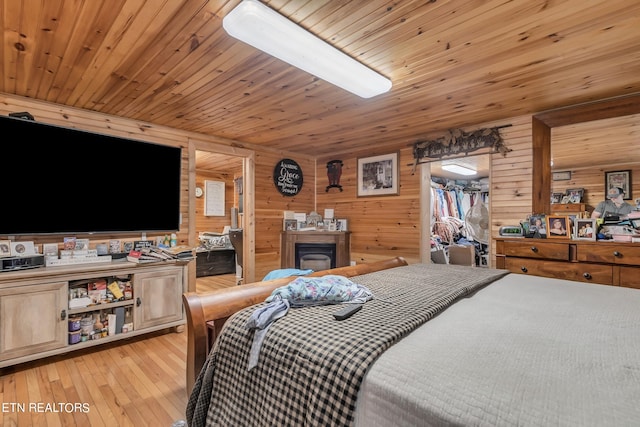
(453, 63)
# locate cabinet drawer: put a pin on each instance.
(589, 273)
(565, 208)
(618, 254)
(537, 249)
(630, 277)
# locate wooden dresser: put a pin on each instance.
(607, 263)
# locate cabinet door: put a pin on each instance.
(158, 297)
(32, 319)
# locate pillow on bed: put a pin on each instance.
(286, 272)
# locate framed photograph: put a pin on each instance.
(575, 195)
(561, 176)
(378, 175)
(5, 248)
(81, 245)
(556, 197)
(585, 229)
(620, 179)
(290, 224)
(22, 248)
(558, 227)
(537, 225)
(341, 225)
(50, 249)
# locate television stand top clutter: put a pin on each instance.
(58, 309)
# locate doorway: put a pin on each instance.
(231, 163)
(457, 205)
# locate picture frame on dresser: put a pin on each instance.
(290, 224)
(556, 197)
(620, 179)
(585, 229)
(537, 226)
(5, 248)
(575, 195)
(558, 226)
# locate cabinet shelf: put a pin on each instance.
(34, 306)
(98, 307)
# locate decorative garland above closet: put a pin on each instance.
(457, 142)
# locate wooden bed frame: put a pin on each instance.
(207, 312)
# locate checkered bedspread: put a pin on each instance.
(311, 365)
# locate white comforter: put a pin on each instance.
(524, 351)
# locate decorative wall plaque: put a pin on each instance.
(287, 177)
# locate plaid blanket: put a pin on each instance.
(311, 366)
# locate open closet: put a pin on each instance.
(460, 211)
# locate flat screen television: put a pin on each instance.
(66, 181)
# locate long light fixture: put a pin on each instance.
(263, 28)
(461, 170)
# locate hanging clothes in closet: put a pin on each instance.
(450, 203)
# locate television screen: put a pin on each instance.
(66, 181)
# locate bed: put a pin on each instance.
(437, 345)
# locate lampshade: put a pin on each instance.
(263, 28)
(461, 170)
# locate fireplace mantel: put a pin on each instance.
(290, 238)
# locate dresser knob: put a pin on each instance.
(534, 249)
(587, 276)
(524, 269)
(617, 254)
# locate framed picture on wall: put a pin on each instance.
(620, 179)
(378, 175)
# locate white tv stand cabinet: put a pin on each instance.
(34, 305)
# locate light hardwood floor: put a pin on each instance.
(134, 382)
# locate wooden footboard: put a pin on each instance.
(207, 312)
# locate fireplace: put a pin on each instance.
(315, 256)
(315, 250)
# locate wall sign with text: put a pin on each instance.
(287, 177)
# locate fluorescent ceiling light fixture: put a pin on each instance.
(263, 28)
(461, 170)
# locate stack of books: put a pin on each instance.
(160, 254)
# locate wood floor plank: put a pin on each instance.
(136, 382)
(10, 416)
(22, 395)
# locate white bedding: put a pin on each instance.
(524, 351)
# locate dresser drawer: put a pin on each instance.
(581, 272)
(630, 277)
(537, 249)
(618, 254)
(566, 208)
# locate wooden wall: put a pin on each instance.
(269, 205)
(381, 227)
(215, 224)
(592, 180)
(393, 225)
